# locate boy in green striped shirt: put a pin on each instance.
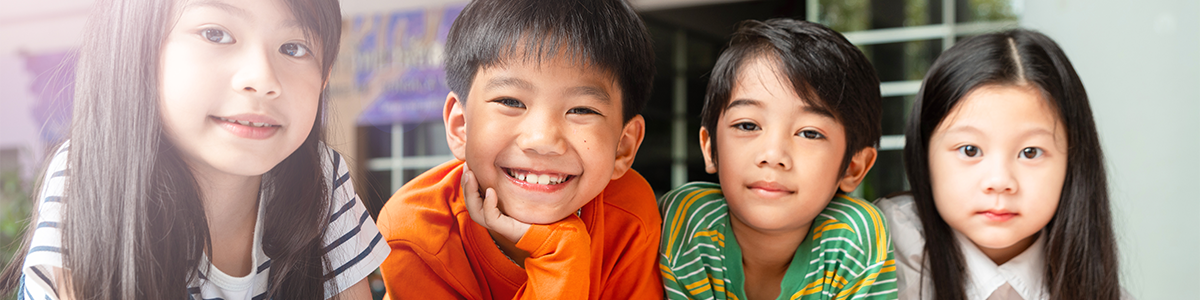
(790, 125)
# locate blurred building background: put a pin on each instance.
(1140, 61)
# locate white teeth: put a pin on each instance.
(243, 122)
(543, 179)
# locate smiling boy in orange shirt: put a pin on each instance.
(544, 109)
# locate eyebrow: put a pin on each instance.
(233, 10)
(590, 91)
(743, 102)
(502, 82)
(964, 129)
(807, 108)
(975, 130)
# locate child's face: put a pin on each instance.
(547, 137)
(997, 164)
(779, 157)
(227, 62)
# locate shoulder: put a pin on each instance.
(696, 208)
(421, 213)
(685, 198)
(908, 235)
(45, 252)
(858, 224)
(631, 197)
(897, 206)
(353, 243)
(862, 216)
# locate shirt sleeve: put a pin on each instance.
(908, 243)
(632, 236)
(863, 258)
(692, 264)
(408, 275)
(354, 245)
(637, 274)
(559, 262)
(669, 208)
(45, 254)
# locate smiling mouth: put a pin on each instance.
(245, 123)
(535, 178)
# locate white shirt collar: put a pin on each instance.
(1023, 272)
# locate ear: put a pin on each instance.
(857, 169)
(706, 149)
(627, 146)
(456, 126)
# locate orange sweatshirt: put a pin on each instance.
(610, 251)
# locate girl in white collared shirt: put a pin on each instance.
(1009, 198)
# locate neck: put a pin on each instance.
(228, 198)
(772, 253)
(231, 207)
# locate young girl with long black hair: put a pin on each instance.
(1009, 196)
(195, 166)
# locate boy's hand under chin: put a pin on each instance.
(486, 213)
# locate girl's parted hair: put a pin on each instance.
(133, 221)
(1080, 248)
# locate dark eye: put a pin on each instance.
(510, 102)
(746, 126)
(1031, 152)
(583, 111)
(216, 36)
(293, 49)
(970, 151)
(811, 134)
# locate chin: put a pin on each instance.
(994, 240)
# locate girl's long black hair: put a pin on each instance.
(1080, 248)
(133, 222)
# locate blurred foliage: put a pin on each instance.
(15, 205)
(990, 10)
(846, 15)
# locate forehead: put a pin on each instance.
(544, 72)
(261, 12)
(1002, 109)
(762, 78)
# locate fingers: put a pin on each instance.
(485, 210)
(471, 196)
(491, 207)
(504, 225)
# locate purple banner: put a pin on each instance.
(54, 85)
(397, 64)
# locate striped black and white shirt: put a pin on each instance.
(355, 247)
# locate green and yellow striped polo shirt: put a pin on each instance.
(846, 255)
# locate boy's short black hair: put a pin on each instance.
(826, 71)
(605, 34)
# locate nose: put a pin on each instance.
(256, 75)
(1000, 178)
(775, 152)
(541, 134)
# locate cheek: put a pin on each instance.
(951, 186)
(1044, 194)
